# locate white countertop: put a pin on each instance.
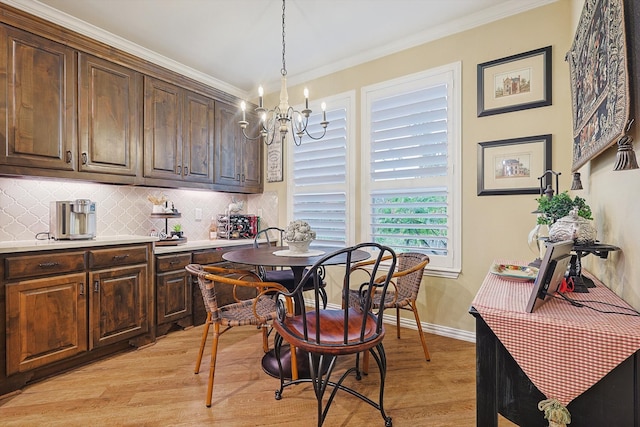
(47, 245)
(202, 244)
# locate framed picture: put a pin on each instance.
(517, 82)
(274, 161)
(599, 79)
(512, 166)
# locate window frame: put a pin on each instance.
(346, 100)
(449, 266)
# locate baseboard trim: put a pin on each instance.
(430, 328)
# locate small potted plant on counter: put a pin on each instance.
(177, 231)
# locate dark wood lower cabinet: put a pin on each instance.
(60, 309)
(178, 298)
(173, 292)
(47, 321)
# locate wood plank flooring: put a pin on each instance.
(156, 386)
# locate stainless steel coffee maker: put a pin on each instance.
(72, 220)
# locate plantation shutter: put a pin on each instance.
(320, 179)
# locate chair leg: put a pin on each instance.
(365, 363)
(212, 365)
(427, 356)
(203, 341)
(398, 322)
(265, 338)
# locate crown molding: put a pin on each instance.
(65, 20)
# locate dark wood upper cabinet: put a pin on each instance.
(197, 140)
(37, 102)
(162, 129)
(238, 160)
(178, 133)
(75, 108)
(110, 117)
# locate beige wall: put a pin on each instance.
(497, 226)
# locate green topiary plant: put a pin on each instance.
(559, 206)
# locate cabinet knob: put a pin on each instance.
(120, 257)
(238, 177)
(186, 170)
(69, 157)
(81, 288)
(96, 286)
(179, 170)
(84, 158)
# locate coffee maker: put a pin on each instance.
(72, 220)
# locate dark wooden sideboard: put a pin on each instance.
(503, 388)
(585, 354)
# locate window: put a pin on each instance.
(411, 155)
(319, 185)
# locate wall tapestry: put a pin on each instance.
(599, 79)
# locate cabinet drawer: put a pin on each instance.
(101, 258)
(212, 256)
(19, 267)
(172, 262)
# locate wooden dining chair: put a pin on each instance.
(403, 290)
(326, 334)
(282, 275)
(256, 311)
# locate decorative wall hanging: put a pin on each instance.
(599, 79)
(274, 161)
(512, 166)
(517, 82)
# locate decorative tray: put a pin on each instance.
(288, 252)
(171, 242)
(515, 273)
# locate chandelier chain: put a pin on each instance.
(284, 67)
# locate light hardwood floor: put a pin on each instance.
(156, 386)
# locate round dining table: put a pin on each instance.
(281, 256)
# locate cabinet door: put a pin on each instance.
(197, 159)
(162, 130)
(46, 321)
(252, 158)
(228, 152)
(110, 114)
(119, 304)
(37, 102)
(173, 294)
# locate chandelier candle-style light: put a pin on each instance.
(283, 118)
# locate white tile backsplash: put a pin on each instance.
(24, 207)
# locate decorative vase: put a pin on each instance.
(299, 247)
(573, 227)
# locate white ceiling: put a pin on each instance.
(237, 44)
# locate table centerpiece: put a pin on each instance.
(298, 236)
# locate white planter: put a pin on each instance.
(299, 247)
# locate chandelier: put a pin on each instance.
(282, 119)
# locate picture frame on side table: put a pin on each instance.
(512, 166)
(516, 82)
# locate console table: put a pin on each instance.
(589, 361)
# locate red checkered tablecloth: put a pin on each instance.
(563, 349)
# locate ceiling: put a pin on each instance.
(237, 44)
